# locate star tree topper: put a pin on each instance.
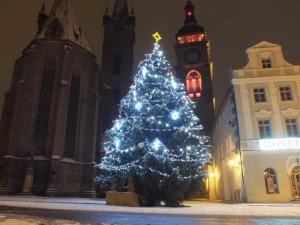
(156, 36)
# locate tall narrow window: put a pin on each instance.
(259, 95)
(285, 93)
(117, 60)
(266, 63)
(43, 110)
(291, 127)
(72, 117)
(117, 94)
(264, 129)
(271, 181)
(194, 84)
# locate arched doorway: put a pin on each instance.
(296, 181)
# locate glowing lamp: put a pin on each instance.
(231, 162)
(190, 13)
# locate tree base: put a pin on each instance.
(122, 198)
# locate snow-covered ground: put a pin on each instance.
(290, 209)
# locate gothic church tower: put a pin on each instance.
(194, 66)
(50, 114)
(117, 58)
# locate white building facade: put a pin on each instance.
(256, 136)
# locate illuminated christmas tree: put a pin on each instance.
(157, 141)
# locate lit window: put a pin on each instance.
(187, 38)
(271, 181)
(190, 38)
(264, 128)
(200, 37)
(181, 40)
(259, 95)
(194, 84)
(194, 37)
(285, 93)
(291, 127)
(266, 63)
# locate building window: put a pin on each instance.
(264, 128)
(190, 38)
(43, 110)
(194, 84)
(117, 94)
(291, 127)
(285, 93)
(271, 181)
(259, 95)
(73, 110)
(117, 59)
(266, 63)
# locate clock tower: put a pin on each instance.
(194, 67)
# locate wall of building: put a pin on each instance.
(258, 150)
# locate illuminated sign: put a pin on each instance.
(279, 143)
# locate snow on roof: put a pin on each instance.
(63, 12)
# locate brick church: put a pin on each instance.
(60, 102)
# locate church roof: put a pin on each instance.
(63, 12)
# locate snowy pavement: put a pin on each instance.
(195, 208)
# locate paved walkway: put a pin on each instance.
(290, 209)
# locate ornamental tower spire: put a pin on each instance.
(120, 10)
(42, 18)
(117, 57)
(189, 13)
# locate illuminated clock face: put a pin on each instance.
(192, 56)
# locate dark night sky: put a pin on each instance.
(232, 26)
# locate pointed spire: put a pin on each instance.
(190, 23)
(106, 10)
(63, 25)
(43, 10)
(189, 13)
(42, 18)
(132, 11)
(120, 10)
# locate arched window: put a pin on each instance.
(194, 84)
(271, 181)
(72, 118)
(43, 110)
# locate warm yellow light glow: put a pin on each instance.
(214, 103)
(216, 174)
(211, 174)
(231, 162)
(211, 70)
(156, 36)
